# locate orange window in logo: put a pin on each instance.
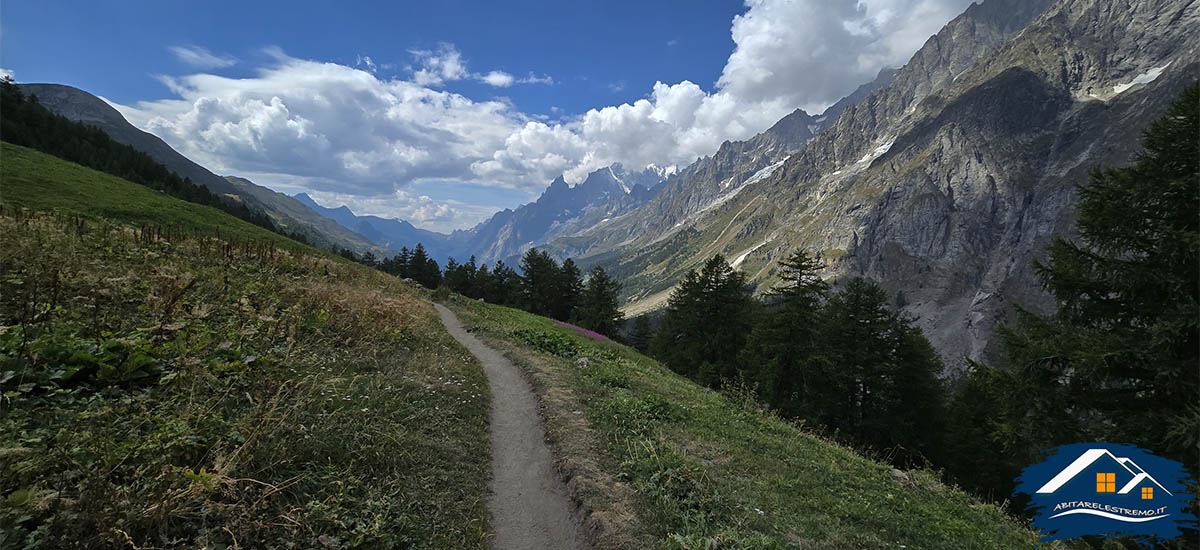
(1106, 483)
(1147, 493)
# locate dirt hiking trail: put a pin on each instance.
(529, 503)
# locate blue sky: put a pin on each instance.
(598, 53)
(463, 108)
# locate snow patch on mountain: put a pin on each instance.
(741, 258)
(1144, 78)
(758, 176)
(878, 152)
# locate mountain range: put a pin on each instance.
(943, 179)
(944, 185)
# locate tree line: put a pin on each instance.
(845, 360)
(543, 286)
(1119, 359)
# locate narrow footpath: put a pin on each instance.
(529, 503)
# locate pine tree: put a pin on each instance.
(483, 283)
(454, 276)
(781, 351)
(423, 269)
(470, 272)
(505, 287)
(599, 307)
(1120, 355)
(878, 381)
(540, 283)
(570, 285)
(641, 335)
(708, 317)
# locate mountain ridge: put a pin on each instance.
(946, 185)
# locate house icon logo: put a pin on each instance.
(1106, 490)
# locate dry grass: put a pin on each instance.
(192, 393)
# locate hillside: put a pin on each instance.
(186, 393)
(285, 212)
(34, 180)
(657, 461)
(213, 384)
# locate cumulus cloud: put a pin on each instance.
(499, 79)
(7, 74)
(446, 64)
(809, 53)
(438, 67)
(789, 54)
(201, 58)
(360, 138)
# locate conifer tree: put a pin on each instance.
(1120, 354)
(786, 342)
(708, 317)
(455, 276)
(641, 334)
(540, 283)
(424, 269)
(599, 307)
(570, 285)
(878, 380)
(505, 287)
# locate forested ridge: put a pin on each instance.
(27, 123)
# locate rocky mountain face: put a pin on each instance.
(944, 185)
(286, 213)
(605, 193)
(703, 186)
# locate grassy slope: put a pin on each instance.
(222, 398)
(660, 462)
(38, 181)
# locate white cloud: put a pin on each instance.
(499, 79)
(329, 126)
(788, 54)
(350, 133)
(535, 79)
(809, 53)
(7, 73)
(201, 58)
(365, 61)
(438, 67)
